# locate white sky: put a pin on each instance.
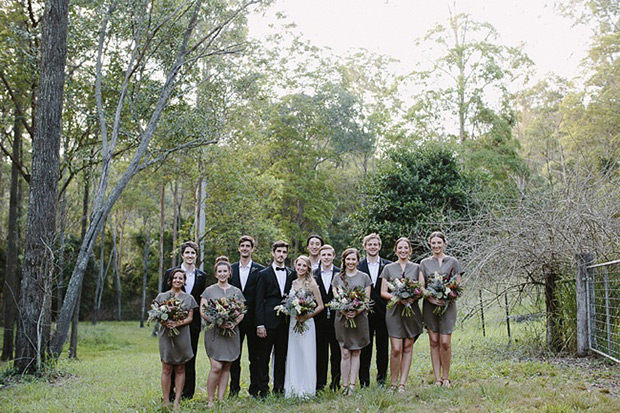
(389, 27)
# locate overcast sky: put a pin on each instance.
(389, 27)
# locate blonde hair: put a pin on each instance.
(308, 279)
(368, 237)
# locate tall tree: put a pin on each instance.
(36, 300)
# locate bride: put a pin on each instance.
(300, 375)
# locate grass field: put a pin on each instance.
(118, 370)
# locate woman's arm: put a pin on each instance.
(384, 290)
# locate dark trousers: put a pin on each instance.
(190, 369)
(247, 330)
(276, 340)
(326, 343)
(378, 330)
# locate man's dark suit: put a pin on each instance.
(194, 332)
(377, 328)
(267, 297)
(247, 328)
(326, 337)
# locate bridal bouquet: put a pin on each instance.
(300, 303)
(404, 289)
(443, 288)
(350, 299)
(223, 311)
(168, 310)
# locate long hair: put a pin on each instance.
(343, 269)
(307, 278)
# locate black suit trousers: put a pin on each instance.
(378, 330)
(247, 330)
(326, 343)
(276, 340)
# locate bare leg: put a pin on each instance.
(179, 382)
(445, 353)
(433, 338)
(213, 379)
(355, 367)
(166, 372)
(405, 365)
(224, 376)
(345, 365)
(395, 359)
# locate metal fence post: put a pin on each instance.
(484, 333)
(607, 315)
(581, 277)
(507, 313)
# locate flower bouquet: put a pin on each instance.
(443, 288)
(404, 289)
(299, 304)
(168, 310)
(350, 299)
(222, 311)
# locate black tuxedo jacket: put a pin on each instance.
(375, 291)
(249, 292)
(199, 287)
(268, 296)
(327, 295)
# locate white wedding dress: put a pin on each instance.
(300, 373)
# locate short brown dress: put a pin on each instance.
(220, 347)
(352, 338)
(176, 349)
(399, 326)
(449, 266)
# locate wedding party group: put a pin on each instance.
(304, 321)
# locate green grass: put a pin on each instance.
(119, 369)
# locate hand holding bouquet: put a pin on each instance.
(299, 304)
(444, 288)
(404, 289)
(166, 311)
(223, 313)
(350, 299)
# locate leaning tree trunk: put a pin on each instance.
(11, 277)
(145, 272)
(33, 334)
(554, 335)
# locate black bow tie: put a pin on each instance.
(280, 268)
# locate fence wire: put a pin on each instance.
(603, 304)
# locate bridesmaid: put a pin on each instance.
(222, 349)
(351, 340)
(403, 330)
(440, 327)
(175, 351)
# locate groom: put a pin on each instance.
(274, 282)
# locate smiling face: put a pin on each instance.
(189, 256)
(327, 257)
(437, 245)
(279, 255)
(372, 247)
(403, 249)
(245, 249)
(178, 280)
(351, 261)
(314, 244)
(222, 273)
(301, 267)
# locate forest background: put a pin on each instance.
(176, 125)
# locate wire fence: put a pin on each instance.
(603, 309)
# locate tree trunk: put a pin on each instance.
(11, 277)
(145, 271)
(175, 220)
(554, 336)
(36, 294)
(117, 273)
(161, 238)
(61, 251)
(100, 279)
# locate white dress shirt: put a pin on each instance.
(373, 268)
(244, 274)
(326, 277)
(281, 276)
(190, 278)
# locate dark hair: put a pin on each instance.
(279, 244)
(190, 244)
(247, 238)
(402, 239)
(343, 269)
(437, 234)
(174, 271)
(222, 260)
(317, 237)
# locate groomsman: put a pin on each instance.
(373, 265)
(326, 342)
(245, 277)
(194, 284)
(313, 244)
(274, 282)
